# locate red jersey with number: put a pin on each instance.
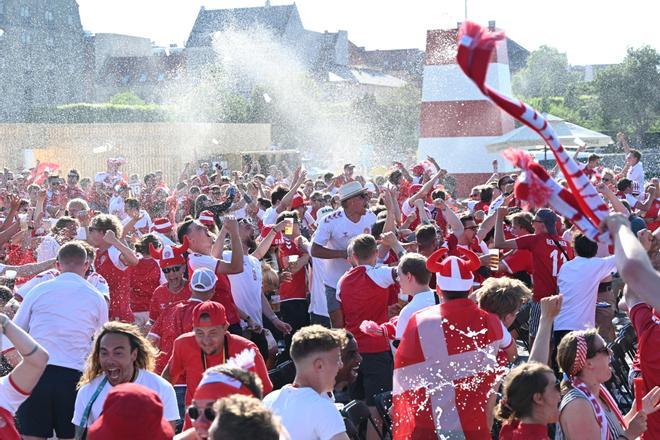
(109, 266)
(549, 253)
(145, 278)
(297, 287)
(520, 260)
(163, 297)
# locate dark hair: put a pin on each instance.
(132, 203)
(455, 294)
(623, 184)
(585, 247)
(72, 253)
(240, 417)
(277, 194)
(425, 235)
(519, 388)
(567, 351)
(377, 228)
(415, 264)
(264, 203)
(503, 181)
(313, 339)
(363, 246)
(142, 245)
(486, 194)
(107, 222)
(287, 214)
(467, 218)
(524, 220)
(636, 154)
(183, 229)
(148, 176)
(91, 252)
(593, 157)
(438, 194)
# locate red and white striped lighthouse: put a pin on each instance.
(457, 121)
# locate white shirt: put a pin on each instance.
(144, 222)
(246, 286)
(419, 302)
(305, 414)
(636, 174)
(63, 315)
(335, 231)
(632, 201)
(578, 281)
(10, 397)
(150, 380)
(492, 208)
(94, 279)
(47, 249)
(116, 206)
(318, 303)
(270, 216)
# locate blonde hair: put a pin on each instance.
(146, 353)
(271, 280)
(502, 296)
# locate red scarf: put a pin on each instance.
(581, 203)
(598, 411)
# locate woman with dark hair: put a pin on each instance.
(530, 400)
(587, 410)
(120, 354)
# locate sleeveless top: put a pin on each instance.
(613, 425)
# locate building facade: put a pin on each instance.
(44, 56)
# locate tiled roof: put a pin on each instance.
(136, 70)
(274, 18)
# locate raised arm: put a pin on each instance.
(127, 256)
(264, 245)
(28, 372)
(450, 216)
(486, 226)
(500, 242)
(632, 261)
(236, 263)
(298, 179)
(613, 199)
(550, 307)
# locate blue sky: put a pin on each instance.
(589, 31)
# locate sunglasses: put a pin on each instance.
(606, 180)
(474, 228)
(602, 350)
(171, 269)
(194, 413)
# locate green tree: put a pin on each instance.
(545, 74)
(629, 93)
(126, 98)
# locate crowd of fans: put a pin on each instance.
(238, 305)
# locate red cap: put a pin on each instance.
(297, 201)
(126, 403)
(206, 218)
(162, 225)
(418, 169)
(169, 256)
(216, 312)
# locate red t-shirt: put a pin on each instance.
(519, 260)
(187, 359)
(481, 206)
(222, 286)
(297, 287)
(647, 327)
(165, 329)
(145, 278)
(110, 267)
(523, 431)
(651, 215)
(547, 259)
(364, 295)
(164, 297)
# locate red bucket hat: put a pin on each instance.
(131, 411)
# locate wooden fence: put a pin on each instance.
(145, 146)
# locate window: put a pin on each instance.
(125, 79)
(25, 11)
(49, 16)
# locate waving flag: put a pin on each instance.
(581, 203)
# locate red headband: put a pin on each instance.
(580, 356)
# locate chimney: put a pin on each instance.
(491, 25)
(267, 4)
